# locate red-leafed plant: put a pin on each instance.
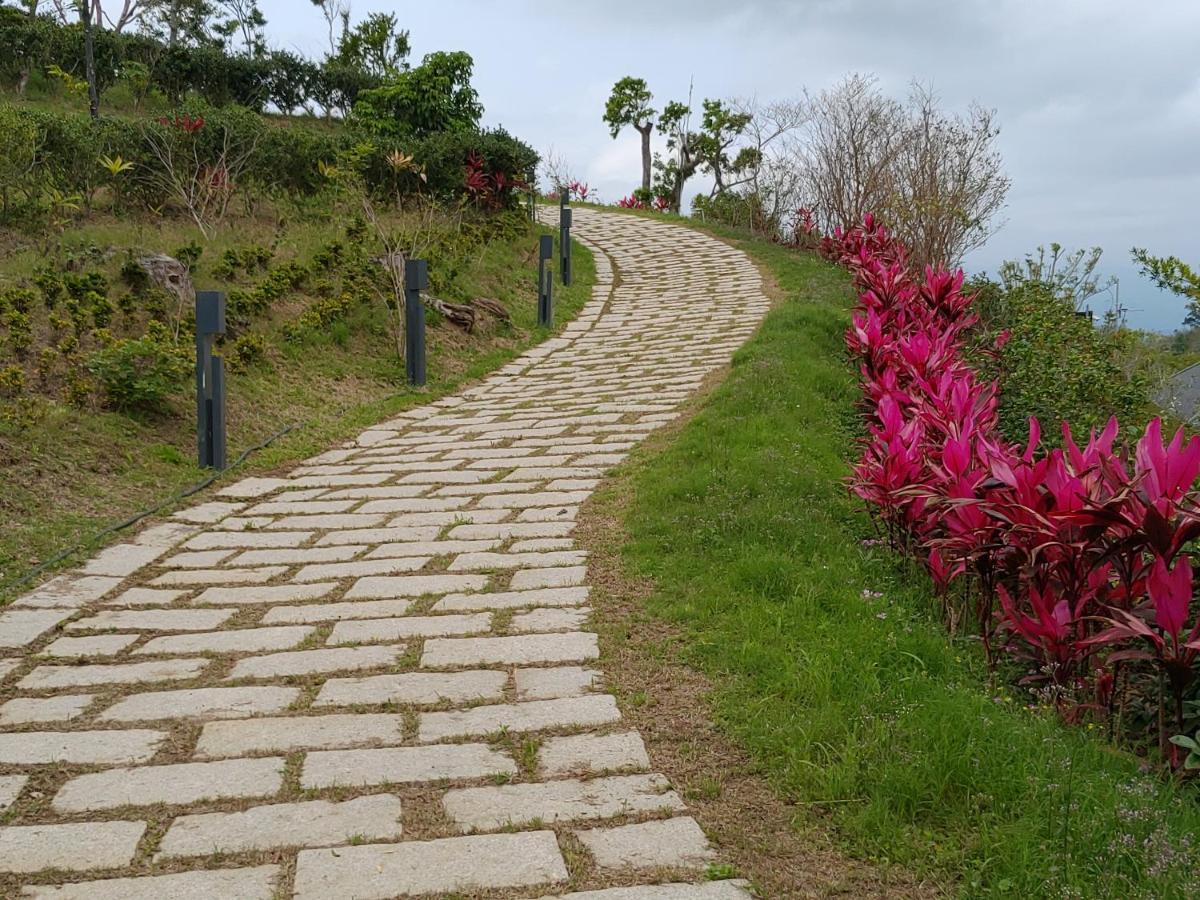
(187, 124)
(1073, 556)
(488, 187)
(658, 204)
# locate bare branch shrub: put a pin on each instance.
(948, 181)
(773, 137)
(852, 141)
(556, 170)
(202, 182)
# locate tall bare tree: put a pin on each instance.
(853, 138)
(335, 12)
(949, 182)
(936, 178)
(128, 13)
(772, 133)
(87, 14)
(176, 22)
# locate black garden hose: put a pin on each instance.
(133, 520)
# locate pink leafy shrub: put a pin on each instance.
(658, 204)
(1072, 559)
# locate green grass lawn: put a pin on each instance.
(830, 663)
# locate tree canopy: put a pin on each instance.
(435, 96)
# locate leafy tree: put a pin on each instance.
(435, 96)
(708, 149)
(673, 173)
(721, 128)
(629, 104)
(180, 22)
(244, 20)
(26, 38)
(1170, 273)
(289, 80)
(375, 46)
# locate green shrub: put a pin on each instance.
(190, 254)
(320, 316)
(12, 381)
(100, 307)
(247, 351)
(63, 149)
(81, 285)
(135, 277)
(21, 179)
(737, 210)
(46, 364)
(245, 259)
(1057, 365)
(20, 331)
(20, 299)
(51, 285)
(139, 63)
(444, 155)
(139, 374)
(79, 388)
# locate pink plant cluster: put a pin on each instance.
(658, 204)
(1072, 561)
(576, 190)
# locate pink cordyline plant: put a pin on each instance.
(1075, 554)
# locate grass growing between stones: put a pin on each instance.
(75, 472)
(827, 657)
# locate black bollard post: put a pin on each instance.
(210, 381)
(545, 280)
(416, 279)
(216, 414)
(564, 237)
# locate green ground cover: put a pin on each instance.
(830, 662)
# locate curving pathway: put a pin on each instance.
(374, 677)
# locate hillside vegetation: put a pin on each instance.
(197, 173)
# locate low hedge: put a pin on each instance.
(283, 157)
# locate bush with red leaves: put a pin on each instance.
(1075, 560)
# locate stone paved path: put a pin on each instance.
(374, 677)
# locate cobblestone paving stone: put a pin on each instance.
(377, 676)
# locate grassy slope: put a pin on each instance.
(78, 471)
(860, 708)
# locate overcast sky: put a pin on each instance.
(1098, 101)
